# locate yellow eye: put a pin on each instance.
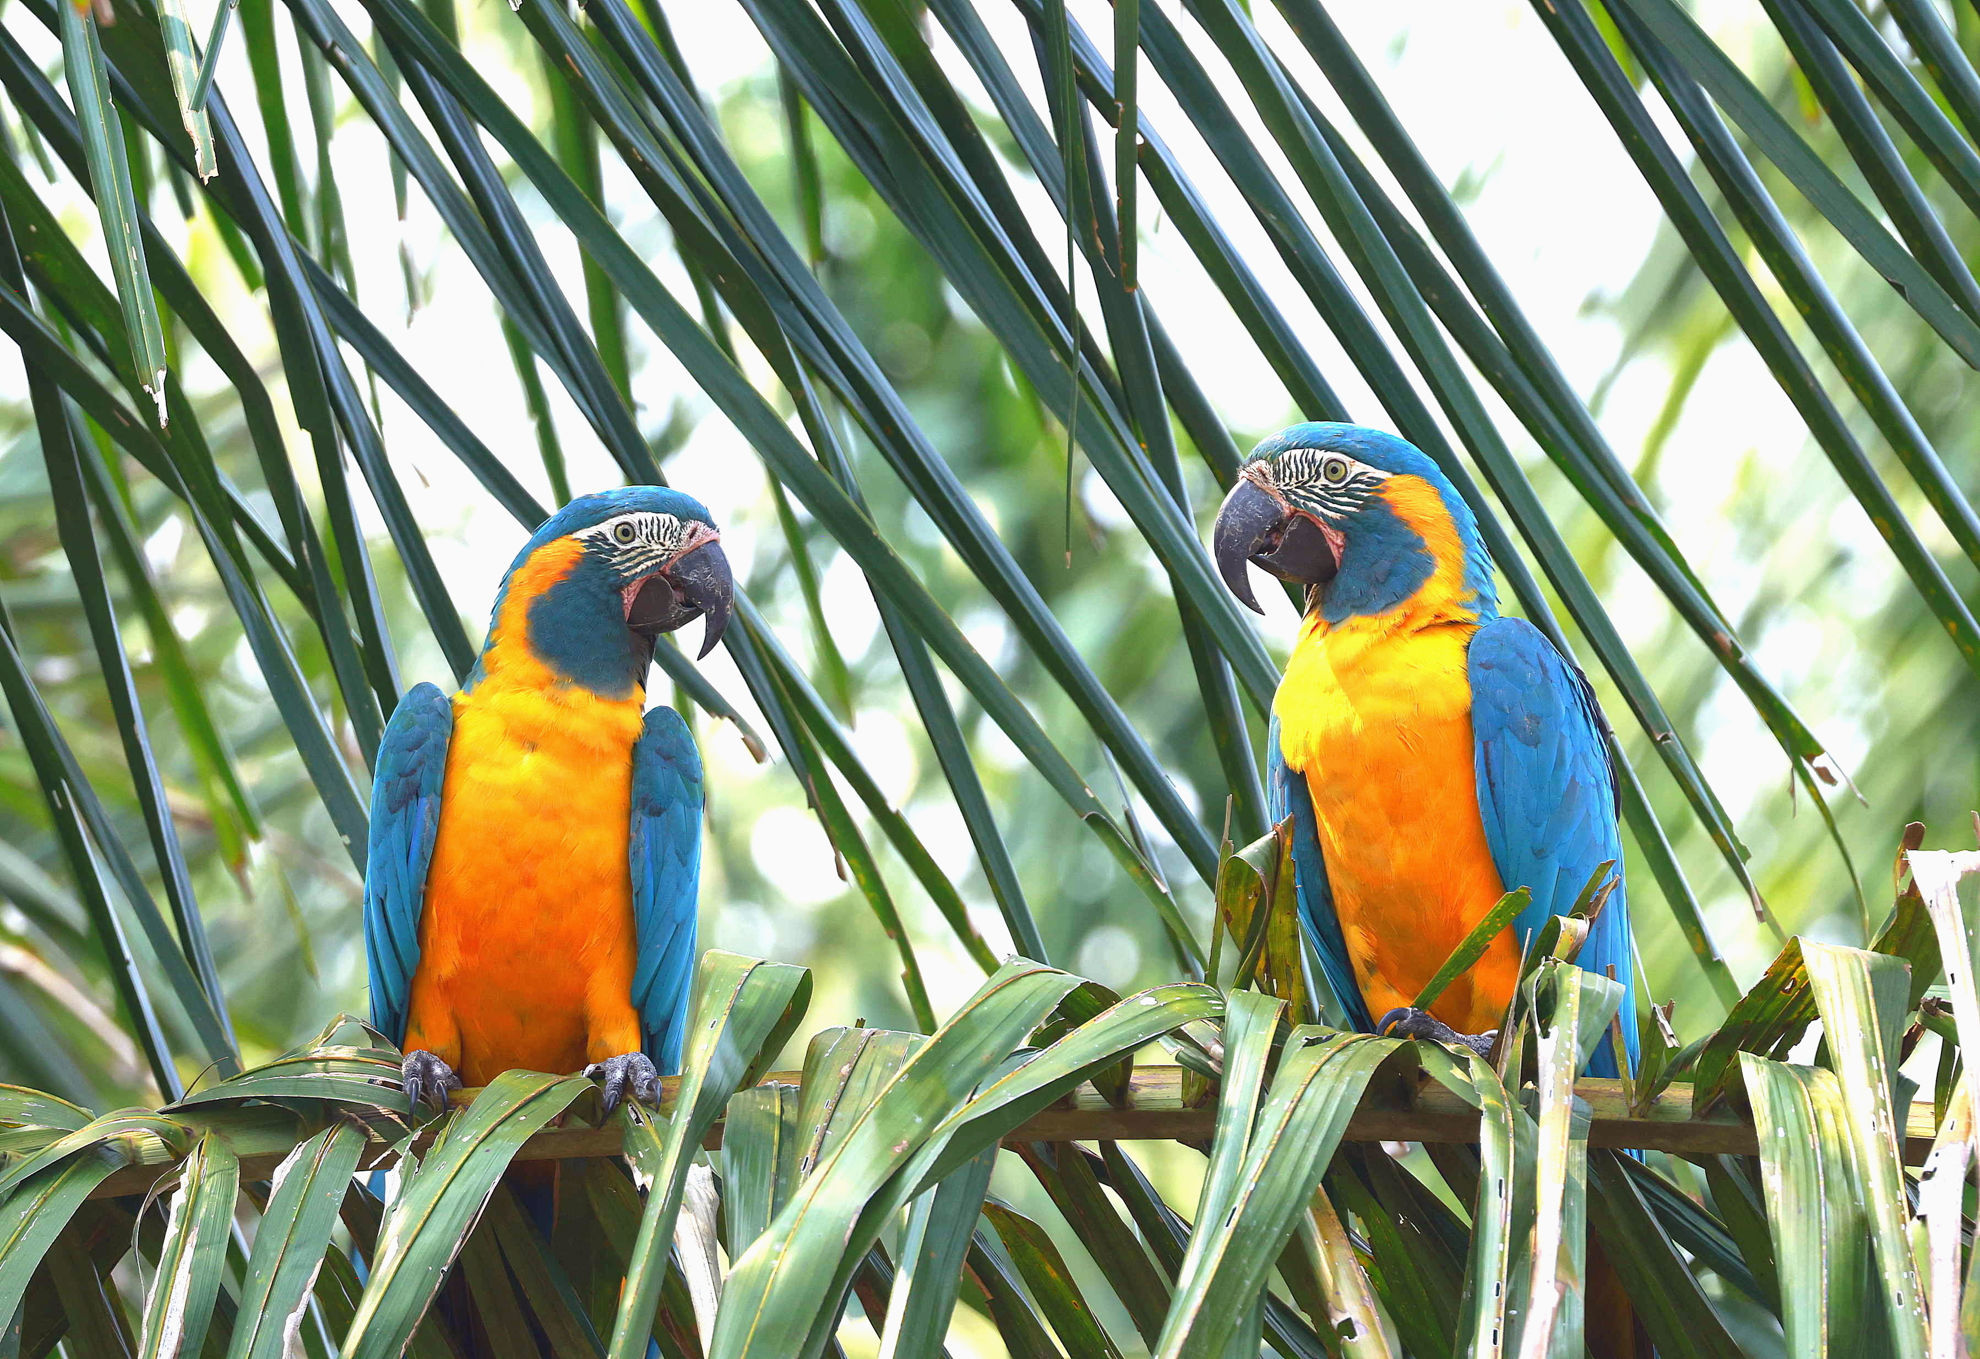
(1334, 470)
(625, 532)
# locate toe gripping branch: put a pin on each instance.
(426, 1077)
(1408, 1022)
(632, 1071)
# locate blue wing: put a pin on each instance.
(666, 880)
(405, 818)
(1548, 797)
(1288, 795)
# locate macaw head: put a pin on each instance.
(1361, 518)
(606, 575)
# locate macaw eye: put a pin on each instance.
(624, 532)
(1334, 470)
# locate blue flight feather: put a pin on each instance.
(666, 876)
(405, 820)
(1548, 798)
(1288, 794)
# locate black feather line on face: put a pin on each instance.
(1330, 485)
(655, 539)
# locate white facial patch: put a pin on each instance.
(1323, 482)
(640, 543)
(639, 534)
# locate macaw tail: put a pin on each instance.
(1611, 1328)
(1612, 1325)
(535, 1186)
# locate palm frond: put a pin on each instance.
(911, 267)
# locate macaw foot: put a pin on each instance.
(629, 1070)
(1408, 1022)
(425, 1076)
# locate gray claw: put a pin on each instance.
(629, 1070)
(1407, 1022)
(425, 1076)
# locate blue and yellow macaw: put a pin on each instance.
(536, 840)
(1431, 753)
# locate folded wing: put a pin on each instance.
(405, 819)
(666, 880)
(1547, 795)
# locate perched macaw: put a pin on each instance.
(1432, 754)
(536, 840)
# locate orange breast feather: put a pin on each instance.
(1376, 713)
(527, 940)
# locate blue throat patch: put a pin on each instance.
(577, 627)
(1385, 562)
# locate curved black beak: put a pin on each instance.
(696, 584)
(1256, 526)
(1248, 517)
